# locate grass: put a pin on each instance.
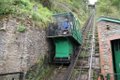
(40, 71)
(21, 28)
(26, 9)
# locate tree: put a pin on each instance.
(108, 8)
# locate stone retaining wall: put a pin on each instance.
(19, 51)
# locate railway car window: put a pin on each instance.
(66, 24)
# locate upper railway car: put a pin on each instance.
(66, 37)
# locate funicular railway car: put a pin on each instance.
(65, 35)
(109, 48)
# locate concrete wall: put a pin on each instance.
(19, 51)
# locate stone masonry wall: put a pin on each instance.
(19, 51)
(107, 31)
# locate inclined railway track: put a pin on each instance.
(85, 66)
(90, 69)
(67, 73)
(92, 51)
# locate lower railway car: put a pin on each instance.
(65, 35)
(109, 48)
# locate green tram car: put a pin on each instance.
(65, 37)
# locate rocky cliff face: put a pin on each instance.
(20, 50)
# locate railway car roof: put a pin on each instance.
(109, 20)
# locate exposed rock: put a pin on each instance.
(20, 51)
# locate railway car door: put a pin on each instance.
(116, 57)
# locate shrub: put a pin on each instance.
(25, 9)
(6, 7)
(21, 28)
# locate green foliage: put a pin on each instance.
(21, 28)
(42, 10)
(78, 7)
(116, 3)
(42, 14)
(108, 8)
(40, 71)
(36, 11)
(26, 9)
(6, 6)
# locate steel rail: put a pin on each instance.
(73, 63)
(88, 27)
(87, 31)
(93, 48)
(71, 67)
